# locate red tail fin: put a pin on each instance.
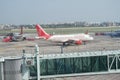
(21, 31)
(86, 32)
(41, 32)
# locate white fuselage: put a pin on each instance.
(74, 37)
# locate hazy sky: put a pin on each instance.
(58, 11)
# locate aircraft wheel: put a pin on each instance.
(24, 38)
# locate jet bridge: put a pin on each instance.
(74, 64)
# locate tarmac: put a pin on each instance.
(99, 43)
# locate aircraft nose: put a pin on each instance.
(91, 38)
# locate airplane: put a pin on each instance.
(65, 39)
(112, 34)
(10, 37)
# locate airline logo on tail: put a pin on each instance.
(41, 32)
